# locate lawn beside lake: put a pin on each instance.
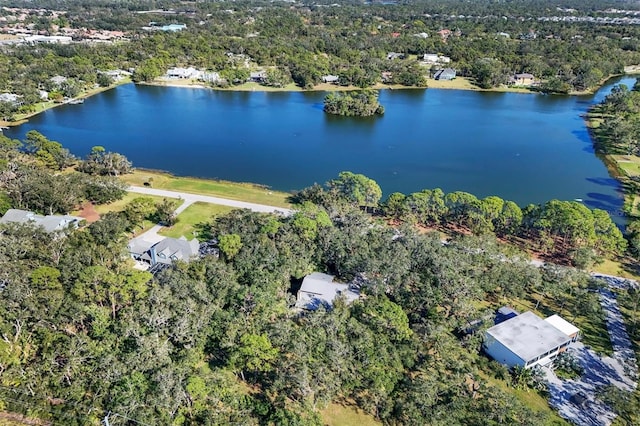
(231, 190)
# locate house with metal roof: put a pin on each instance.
(166, 251)
(50, 223)
(320, 289)
(526, 340)
(445, 74)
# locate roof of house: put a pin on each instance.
(320, 289)
(49, 223)
(527, 335)
(177, 249)
(524, 75)
(563, 325)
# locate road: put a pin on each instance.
(193, 198)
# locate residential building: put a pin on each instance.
(523, 79)
(564, 326)
(320, 289)
(165, 251)
(330, 79)
(434, 58)
(445, 74)
(10, 98)
(58, 80)
(178, 72)
(33, 39)
(50, 223)
(526, 340)
(395, 55)
(258, 76)
(209, 77)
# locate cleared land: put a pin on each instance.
(234, 191)
(197, 213)
(342, 415)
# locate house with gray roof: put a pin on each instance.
(526, 340)
(165, 251)
(320, 289)
(50, 223)
(445, 74)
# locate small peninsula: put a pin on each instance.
(353, 104)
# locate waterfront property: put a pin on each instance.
(320, 289)
(419, 143)
(50, 223)
(522, 79)
(526, 340)
(330, 79)
(445, 74)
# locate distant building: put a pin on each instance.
(50, 223)
(319, 289)
(58, 80)
(178, 72)
(10, 98)
(434, 58)
(523, 79)
(330, 78)
(395, 55)
(165, 251)
(527, 340)
(421, 35)
(209, 77)
(505, 35)
(258, 76)
(445, 74)
(169, 28)
(33, 39)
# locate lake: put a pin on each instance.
(523, 147)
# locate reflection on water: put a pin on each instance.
(527, 148)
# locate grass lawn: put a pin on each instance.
(231, 190)
(531, 399)
(193, 215)
(118, 206)
(630, 164)
(342, 415)
(619, 268)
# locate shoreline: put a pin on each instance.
(458, 83)
(45, 106)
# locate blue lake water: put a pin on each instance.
(523, 147)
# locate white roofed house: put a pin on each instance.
(527, 340)
(320, 289)
(434, 58)
(178, 72)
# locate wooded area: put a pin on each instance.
(356, 42)
(216, 341)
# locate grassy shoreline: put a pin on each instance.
(458, 83)
(45, 106)
(249, 192)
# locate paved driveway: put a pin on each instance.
(620, 370)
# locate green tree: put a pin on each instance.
(230, 245)
(357, 189)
